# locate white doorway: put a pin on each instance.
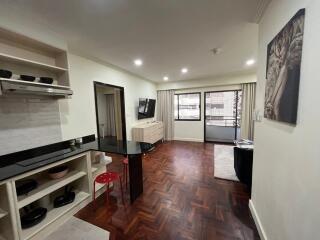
(110, 112)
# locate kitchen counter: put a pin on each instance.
(17, 163)
(35, 164)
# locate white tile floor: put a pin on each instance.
(75, 228)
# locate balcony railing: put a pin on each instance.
(223, 121)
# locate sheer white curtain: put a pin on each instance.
(110, 116)
(248, 105)
(165, 112)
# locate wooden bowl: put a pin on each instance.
(58, 172)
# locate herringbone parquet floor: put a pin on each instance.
(181, 200)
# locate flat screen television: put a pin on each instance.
(146, 108)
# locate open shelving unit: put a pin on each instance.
(98, 168)
(96, 164)
(8, 228)
(54, 214)
(48, 189)
(23, 55)
(27, 62)
(83, 168)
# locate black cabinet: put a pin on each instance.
(243, 165)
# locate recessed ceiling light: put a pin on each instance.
(138, 62)
(184, 70)
(250, 62)
(165, 78)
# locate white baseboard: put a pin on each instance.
(188, 139)
(257, 221)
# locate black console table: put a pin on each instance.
(243, 160)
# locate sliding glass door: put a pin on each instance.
(222, 116)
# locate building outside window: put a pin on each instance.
(187, 107)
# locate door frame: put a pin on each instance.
(122, 104)
(204, 117)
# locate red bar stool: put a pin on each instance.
(125, 164)
(107, 178)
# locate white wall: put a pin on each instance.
(286, 169)
(194, 130)
(78, 116)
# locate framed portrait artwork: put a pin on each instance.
(283, 71)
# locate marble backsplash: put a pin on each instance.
(28, 122)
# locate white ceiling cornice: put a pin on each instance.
(263, 4)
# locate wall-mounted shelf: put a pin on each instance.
(48, 186)
(23, 55)
(34, 83)
(53, 215)
(31, 63)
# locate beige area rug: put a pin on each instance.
(224, 162)
(77, 229)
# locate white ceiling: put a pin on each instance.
(166, 34)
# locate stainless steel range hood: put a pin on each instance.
(33, 88)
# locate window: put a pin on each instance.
(187, 107)
(223, 108)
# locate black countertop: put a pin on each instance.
(34, 159)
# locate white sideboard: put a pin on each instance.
(151, 132)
